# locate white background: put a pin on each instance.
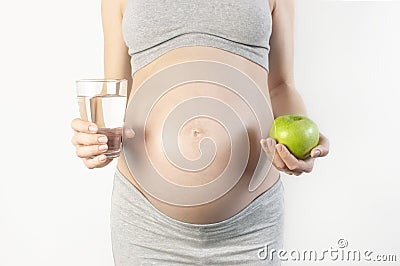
(54, 211)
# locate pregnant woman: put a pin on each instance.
(229, 222)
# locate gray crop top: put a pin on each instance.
(153, 27)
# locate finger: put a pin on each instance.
(88, 139)
(83, 126)
(287, 157)
(264, 145)
(271, 143)
(96, 162)
(90, 151)
(322, 149)
(294, 164)
(278, 162)
(268, 146)
(307, 165)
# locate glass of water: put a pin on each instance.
(103, 102)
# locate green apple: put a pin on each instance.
(298, 133)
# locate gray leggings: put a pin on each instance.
(142, 235)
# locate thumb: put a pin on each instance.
(129, 133)
(322, 149)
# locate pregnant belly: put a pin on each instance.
(198, 114)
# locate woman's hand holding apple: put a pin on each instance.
(286, 162)
(299, 143)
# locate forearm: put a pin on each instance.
(285, 99)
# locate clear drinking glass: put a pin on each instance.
(103, 102)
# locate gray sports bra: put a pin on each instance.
(153, 27)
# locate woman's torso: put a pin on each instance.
(237, 198)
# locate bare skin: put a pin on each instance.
(278, 86)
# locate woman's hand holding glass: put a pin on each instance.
(91, 146)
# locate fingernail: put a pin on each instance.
(262, 142)
(102, 139)
(102, 158)
(279, 147)
(317, 153)
(131, 133)
(92, 128)
(269, 142)
(103, 147)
